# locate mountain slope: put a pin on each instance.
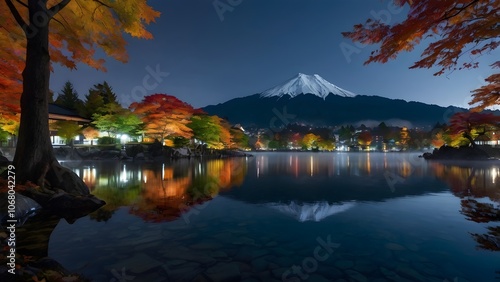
(312, 100)
(276, 111)
(306, 84)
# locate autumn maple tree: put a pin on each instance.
(211, 130)
(458, 31)
(488, 94)
(238, 139)
(35, 33)
(365, 138)
(438, 139)
(310, 141)
(90, 133)
(471, 125)
(164, 116)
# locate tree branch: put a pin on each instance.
(20, 21)
(22, 3)
(59, 22)
(458, 10)
(100, 2)
(58, 7)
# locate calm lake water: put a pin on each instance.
(287, 217)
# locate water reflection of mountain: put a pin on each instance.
(335, 177)
(332, 190)
(159, 191)
(310, 211)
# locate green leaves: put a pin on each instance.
(67, 129)
(209, 130)
(114, 119)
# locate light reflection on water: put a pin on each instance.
(435, 224)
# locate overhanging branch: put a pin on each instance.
(22, 3)
(457, 10)
(20, 21)
(58, 7)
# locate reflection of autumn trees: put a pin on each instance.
(163, 192)
(228, 172)
(484, 213)
(472, 184)
(115, 198)
(480, 212)
(489, 241)
(470, 181)
(157, 192)
(167, 193)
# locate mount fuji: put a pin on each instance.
(310, 212)
(310, 99)
(306, 84)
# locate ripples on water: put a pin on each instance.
(391, 217)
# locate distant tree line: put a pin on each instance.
(159, 117)
(173, 122)
(463, 129)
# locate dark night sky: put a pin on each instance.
(260, 44)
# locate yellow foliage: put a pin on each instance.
(310, 140)
(75, 32)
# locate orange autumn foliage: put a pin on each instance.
(488, 94)
(458, 30)
(75, 32)
(164, 115)
(438, 140)
(165, 196)
(365, 138)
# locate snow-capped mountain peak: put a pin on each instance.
(311, 212)
(306, 84)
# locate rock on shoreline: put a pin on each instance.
(463, 153)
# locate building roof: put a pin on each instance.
(483, 138)
(57, 112)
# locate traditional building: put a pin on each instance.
(57, 113)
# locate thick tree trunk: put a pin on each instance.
(34, 149)
(34, 159)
